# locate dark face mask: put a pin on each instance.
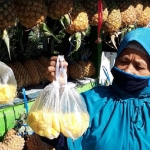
(129, 83)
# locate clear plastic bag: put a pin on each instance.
(8, 84)
(74, 116)
(59, 109)
(44, 115)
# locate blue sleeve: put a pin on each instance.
(95, 99)
(74, 144)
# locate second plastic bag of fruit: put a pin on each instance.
(74, 118)
(44, 115)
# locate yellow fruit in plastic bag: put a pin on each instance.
(73, 125)
(7, 93)
(44, 123)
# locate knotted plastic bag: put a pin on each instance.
(74, 118)
(44, 115)
(8, 84)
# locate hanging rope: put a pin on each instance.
(100, 19)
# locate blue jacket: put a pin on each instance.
(117, 121)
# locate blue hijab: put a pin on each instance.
(130, 83)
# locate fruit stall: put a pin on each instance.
(34, 30)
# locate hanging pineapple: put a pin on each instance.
(113, 22)
(7, 14)
(78, 19)
(144, 17)
(58, 8)
(31, 12)
(128, 13)
(138, 5)
(91, 8)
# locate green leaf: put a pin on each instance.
(47, 32)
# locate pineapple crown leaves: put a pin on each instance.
(65, 21)
(47, 32)
(77, 40)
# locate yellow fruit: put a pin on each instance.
(7, 93)
(79, 19)
(44, 123)
(73, 125)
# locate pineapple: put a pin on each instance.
(44, 61)
(13, 141)
(112, 24)
(138, 5)
(58, 8)
(33, 71)
(34, 142)
(79, 19)
(41, 70)
(7, 14)
(113, 21)
(19, 77)
(31, 12)
(4, 147)
(92, 10)
(21, 74)
(128, 12)
(144, 17)
(89, 69)
(76, 71)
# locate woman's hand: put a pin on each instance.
(50, 73)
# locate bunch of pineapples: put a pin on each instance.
(31, 12)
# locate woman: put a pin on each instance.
(120, 113)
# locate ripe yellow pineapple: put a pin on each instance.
(13, 141)
(4, 147)
(128, 13)
(31, 12)
(58, 8)
(144, 17)
(79, 19)
(113, 21)
(138, 5)
(7, 14)
(91, 8)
